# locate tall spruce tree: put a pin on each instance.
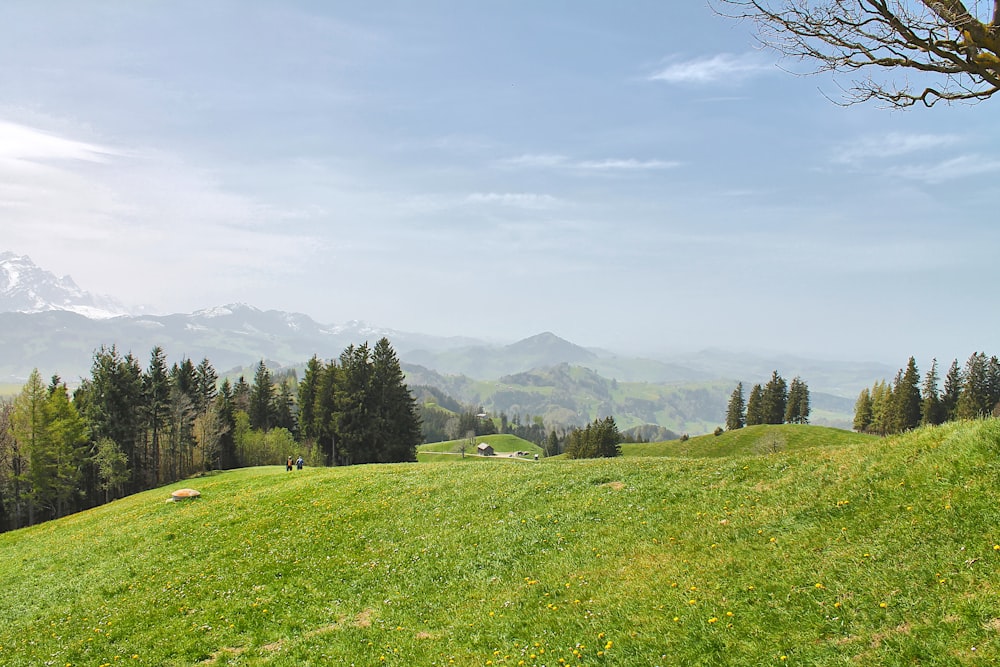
(307, 390)
(952, 391)
(30, 425)
(284, 407)
(797, 409)
(397, 424)
(113, 402)
(755, 406)
(883, 415)
(975, 399)
(552, 444)
(156, 389)
(993, 386)
(863, 412)
(206, 385)
(774, 399)
(931, 409)
(261, 405)
(355, 429)
(736, 409)
(67, 449)
(906, 395)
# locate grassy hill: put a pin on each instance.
(502, 444)
(752, 440)
(870, 552)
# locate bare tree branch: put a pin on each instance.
(930, 37)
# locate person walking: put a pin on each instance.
(299, 463)
(288, 464)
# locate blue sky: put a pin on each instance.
(637, 176)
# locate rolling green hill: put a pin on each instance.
(764, 439)
(880, 552)
(502, 444)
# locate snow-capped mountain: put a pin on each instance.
(26, 288)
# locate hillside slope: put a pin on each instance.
(881, 552)
(751, 440)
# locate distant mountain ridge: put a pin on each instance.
(26, 288)
(52, 325)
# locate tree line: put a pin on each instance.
(773, 403)
(910, 401)
(127, 428)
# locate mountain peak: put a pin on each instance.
(26, 288)
(550, 349)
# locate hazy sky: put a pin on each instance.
(632, 175)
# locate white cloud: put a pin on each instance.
(627, 164)
(525, 200)
(893, 144)
(111, 218)
(553, 161)
(963, 166)
(711, 69)
(18, 142)
(541, 160)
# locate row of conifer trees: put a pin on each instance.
(773, 403)
(907, 402)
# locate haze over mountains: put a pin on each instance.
(51, 324)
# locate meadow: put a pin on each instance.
(750, 441)
(869, 552)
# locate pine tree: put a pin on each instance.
(906, 395)
(883, 415)
(774, 400)
(206, 385)
(863, 412)
(552, 444)
(397, 424)
(600, 438)
(261, 406)
(67, 440)
(156, 387)
(11, 469)
(241, 395)
(307, 391)
(755, 406)
(354, 433)
(735, 411)
(952, 392)
(993, 386)
(112, 401)
(797, 409)
(931, 409)
(226, 410)
(609, 438)
(30, 427)
(975, 399)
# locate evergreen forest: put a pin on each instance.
(127, 428)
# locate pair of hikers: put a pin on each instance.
(298, 463)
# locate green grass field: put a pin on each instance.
(875, 552)
(502, 444)
(751, 440)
